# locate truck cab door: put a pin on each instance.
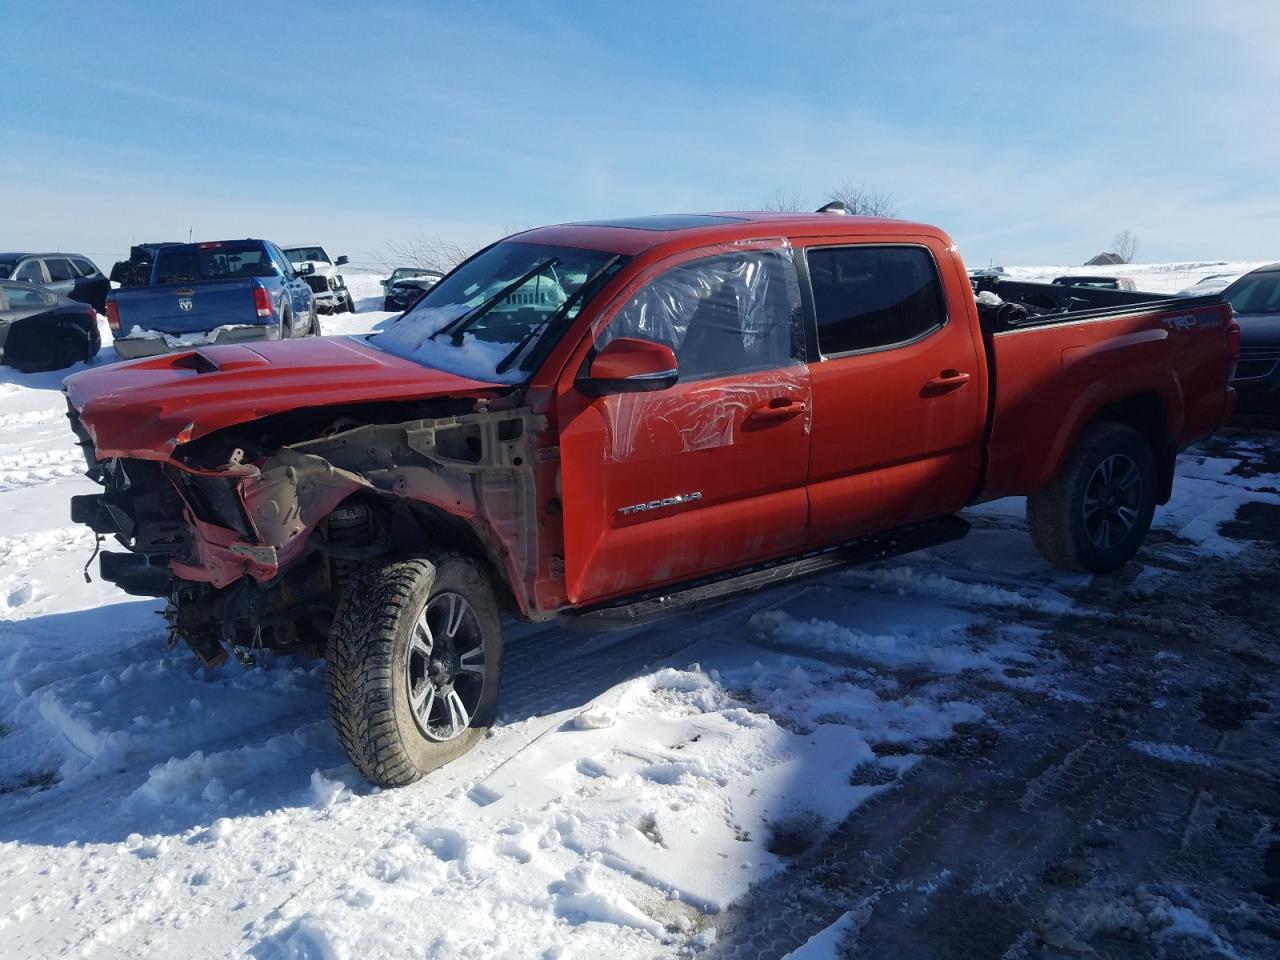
(705, 474)
(899, 384)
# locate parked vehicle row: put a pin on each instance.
(610, 420)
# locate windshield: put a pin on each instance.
(401, 273)
(303, 254)
(6, 266)
(517, 319)
(1256, 293)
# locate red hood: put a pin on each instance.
(138, 409)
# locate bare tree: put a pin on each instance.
(1125, 244)
(430, 253)
(783, 201)
(862, 201)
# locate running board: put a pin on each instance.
(894, 543)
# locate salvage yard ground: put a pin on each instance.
(961, 753)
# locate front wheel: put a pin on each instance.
(1095, 515)
(413, 663)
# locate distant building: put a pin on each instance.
(1105, 260)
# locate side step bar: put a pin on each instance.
(882, 546)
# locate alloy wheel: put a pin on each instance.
(1112, 501)
(445, 667)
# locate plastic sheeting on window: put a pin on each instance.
(734, 310)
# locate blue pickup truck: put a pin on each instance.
(226, 291)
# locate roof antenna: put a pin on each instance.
(835, 206)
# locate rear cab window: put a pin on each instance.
(870, 297)
(235, 259)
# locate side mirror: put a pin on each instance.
(305, 269)
(630, 365)
(341, 261)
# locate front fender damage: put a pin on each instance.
(477, 468)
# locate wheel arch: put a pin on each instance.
(1147, 413)
(403, 525)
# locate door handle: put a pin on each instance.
(776, 410)
(948, 380)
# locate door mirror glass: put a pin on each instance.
(305, 269)
(630, 365)
(341, 261)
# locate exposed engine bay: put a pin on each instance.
(250, 533)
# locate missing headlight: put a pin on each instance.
(215, 500)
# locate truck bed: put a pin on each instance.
(1055, 366)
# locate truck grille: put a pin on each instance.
(318, 284)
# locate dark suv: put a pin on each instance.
(1255, 297)
(70, 275)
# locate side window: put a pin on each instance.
(282, 262)
(59, 269)
(21, 296)
(86, 268)
(726, 314)
(30, 272)
(869, 297)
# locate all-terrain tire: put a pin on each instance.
(349, 304)
(286, 324)
(313, 328)
(1063, 530)
(369, 662)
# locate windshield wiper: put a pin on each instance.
(560, 312)
(460, 323)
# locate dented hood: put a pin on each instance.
(145, 408)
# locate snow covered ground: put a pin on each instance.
(641, 783)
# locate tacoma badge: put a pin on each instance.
(659, 504)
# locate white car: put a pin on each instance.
(330, 290)
(1214, 283)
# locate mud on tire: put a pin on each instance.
(1096, 513)
(402, 672)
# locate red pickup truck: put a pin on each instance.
(615, 418)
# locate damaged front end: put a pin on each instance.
(250, 533)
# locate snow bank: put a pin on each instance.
(202, 338)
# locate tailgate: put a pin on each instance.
(189, 308)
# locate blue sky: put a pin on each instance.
(1032, 131)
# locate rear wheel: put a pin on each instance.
(414, 658)
(1095, 515)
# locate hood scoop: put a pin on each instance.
(224, 359)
